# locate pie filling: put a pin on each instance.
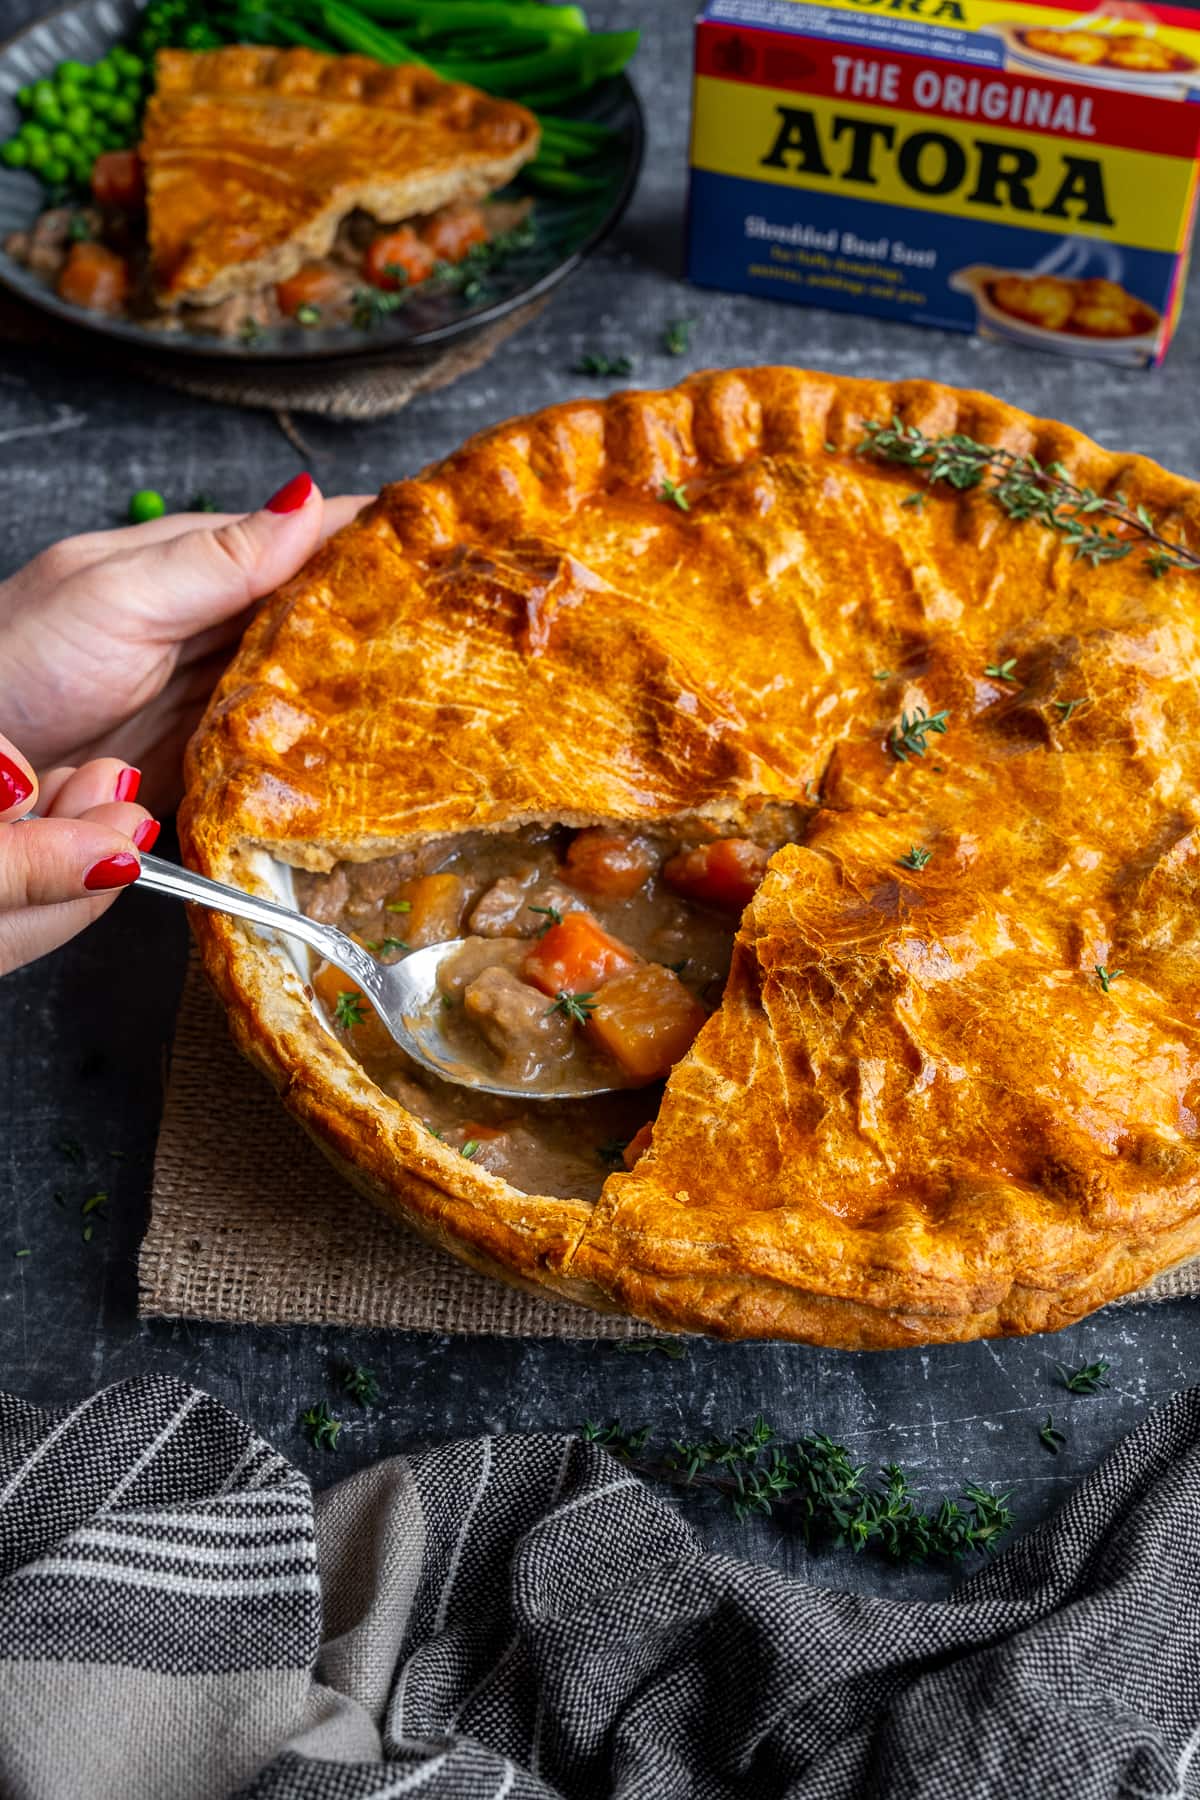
(597, 953)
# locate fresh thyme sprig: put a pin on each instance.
(351, 1010)
(467, 277)
(1106, 976)
(673, 491)
(677, 337)
(813, 1486)
(384, 946)
(915, 859)
(908, 738)
(1051, 1436)
(1028, 489)
(307, 314)
(320, 1427)
(1002, 671)
(552, 917)
(361, 1384)
(1087, 1380)
(594, 362)
(578, 1008)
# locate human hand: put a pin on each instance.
(110, 645)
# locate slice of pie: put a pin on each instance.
(253, 157)
(612, 671)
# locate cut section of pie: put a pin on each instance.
(253, 157)
(862, 807)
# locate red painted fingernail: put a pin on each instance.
(292, 495)
(146, 835)
(15, 785)
(128, 783)
(114, 872)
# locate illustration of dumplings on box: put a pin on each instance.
(1073, 301)
(1104, 50)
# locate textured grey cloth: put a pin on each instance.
(515, 1617)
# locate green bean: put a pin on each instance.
(588, 59)
(430, 18)
(350, 28)
(563, 181)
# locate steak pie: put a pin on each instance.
(253, 157)
(848, 820)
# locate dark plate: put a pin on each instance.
(567, 228)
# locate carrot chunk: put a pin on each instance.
(401, 251)
(645, 1020)
(725, 873)
(436, 904)
(350, 1012)
(316, 284)
(455, 230)
(94, 277)
(576, 957)
(609, 864)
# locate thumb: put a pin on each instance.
(209, 576)
(18, 783)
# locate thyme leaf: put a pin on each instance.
(915, 501)
(1051, 1436)
(1067, 707)
(397, 906)
(674, 492)
(361, 1385)
(813, 1486)
(578, 1008)
(1002, 671)
(307, 314)
(1106, 976)
(915, 859)
(594, 362)
(384, 946)
(552, 917)
(351, 1010)
(1024, 488)
(469, 1148)
(908, 738)
(677, 337)
(675, 1348)
(320, 1427)
(1087, 1380)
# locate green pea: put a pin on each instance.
(128, 62)
(92, 147)
(62, 143)
(122, 111)
(32, 132)
(79, 120)
(55, 171)
(39, 156)
(146, 504)
(102, 104)
(24, 97)
(105, 76)
(72, 71)
(46, 109)
(14, 154)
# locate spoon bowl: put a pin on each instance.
(404, 994)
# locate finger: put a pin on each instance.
(340, 511)
(69, 793)
(48, 861)
(208, 576)
(18, 783)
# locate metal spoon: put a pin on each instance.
(404, 994)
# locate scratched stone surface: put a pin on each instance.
(84, 1033)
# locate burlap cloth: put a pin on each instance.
(354, 390)
(250, 1223)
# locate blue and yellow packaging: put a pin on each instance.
(1025, 171)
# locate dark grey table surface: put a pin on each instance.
(83, 1034)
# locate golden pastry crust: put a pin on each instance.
(917, 1115)
(253, 158)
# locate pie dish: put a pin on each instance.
(253, 157)
(926, 1108)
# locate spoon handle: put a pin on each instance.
(183, 884)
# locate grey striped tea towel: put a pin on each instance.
(515, 1617)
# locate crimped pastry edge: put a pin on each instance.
(555, 1245)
